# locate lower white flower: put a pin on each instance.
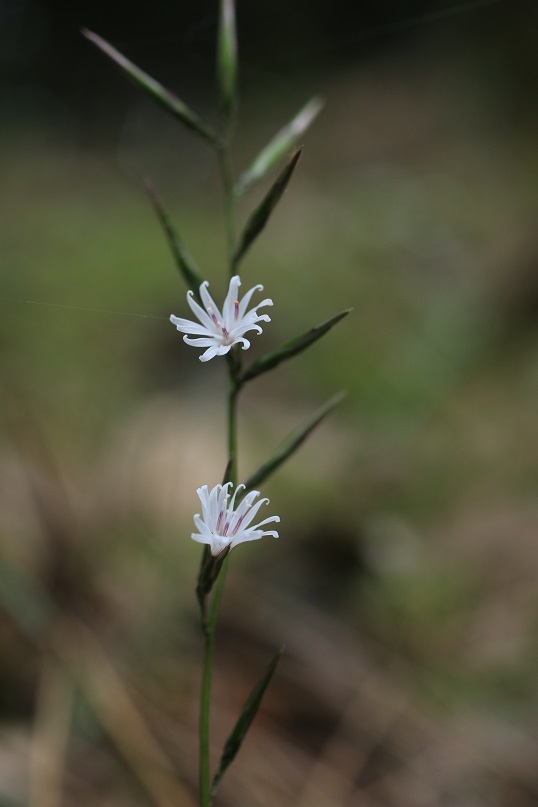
(221, 526)
(216, 331)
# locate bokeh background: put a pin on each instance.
(405, 580)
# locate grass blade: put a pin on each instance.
(291, 348)
(292, 443)
(248, 713)
(227, 72)
(280, 145)
(261, 214)
(184, 261)
(163, 96)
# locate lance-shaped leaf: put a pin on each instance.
(291, 348)
(167, 99)
(184, 261)
(280, 145)
(260, 216)
(292, 443)
(248, 713)
(227, 57)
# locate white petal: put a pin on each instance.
(252, 513)
(211, 352)
(228, 309)
(199, 312)
(208, 301)
(188, 326)
(267, 301)
(243, 305)
(201, 341)
(243, 536)
(269, 520)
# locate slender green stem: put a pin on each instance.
(223, 154)
(210, 623)
(205, 698)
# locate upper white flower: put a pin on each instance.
(219, 332)
(221, 526)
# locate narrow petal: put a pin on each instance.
(269, 520)
(251, 515)
(201, 341)
(208, 300)
(267, 301)
(228, 309)
(199, 312)
(211, 352)
(188, 326)
(243, 305)
(236, 491)
(243, 536)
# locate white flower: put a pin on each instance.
(220, 332)
(221, 526)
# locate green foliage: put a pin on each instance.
(280, 145)
(292, 443)
(248, 713)
(167, 99)
(227, 58)
(184, 261)
(291, 348)
(261, 214)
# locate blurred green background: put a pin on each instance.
(404, 581)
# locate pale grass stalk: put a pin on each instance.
(109, 698)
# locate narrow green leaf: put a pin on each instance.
(248, 713)
(261, 214)
(280, 145)
(291, 348)
(163, 96)
(292, 443)
(184, 261)
(227, 57)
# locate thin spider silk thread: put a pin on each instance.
(81, 308)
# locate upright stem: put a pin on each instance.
(206, 795)
(205, 698)
(223, 154)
